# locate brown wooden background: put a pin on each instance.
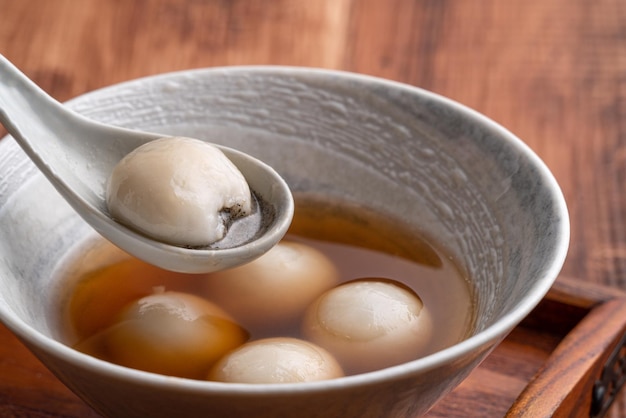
(551, 71)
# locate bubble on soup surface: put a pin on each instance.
(172, 333)
(274, 289)
(369, 324)
(276, 360)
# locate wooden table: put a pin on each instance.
(552, 71)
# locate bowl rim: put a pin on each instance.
(486, 339)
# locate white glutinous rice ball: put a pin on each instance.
(172, 333)
(181, 191)
(276, 360)
(369, 324)
(273, 291)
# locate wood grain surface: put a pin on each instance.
(551, 71)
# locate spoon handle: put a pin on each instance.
(44, 128)
(26, 111)
(76, 154)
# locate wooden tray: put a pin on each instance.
(566, 359)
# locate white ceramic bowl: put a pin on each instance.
(448, 171)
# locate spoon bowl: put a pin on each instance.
(77, 155)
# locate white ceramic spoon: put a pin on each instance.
(77, 155)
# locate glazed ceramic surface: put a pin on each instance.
(459, 179)
(78, 157)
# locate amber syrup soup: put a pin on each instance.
(99, 280)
